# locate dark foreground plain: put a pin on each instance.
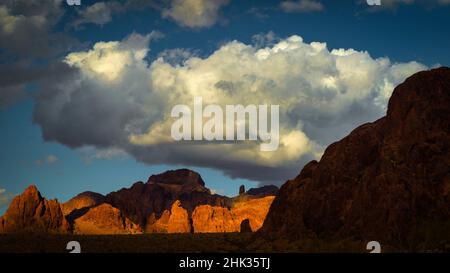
(192, 243)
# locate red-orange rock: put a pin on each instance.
(104, 219)
(175, 220)
(157, 225)
(179, 219)
(208, 218)
(255, 210)
(386, 181)
(30, 212)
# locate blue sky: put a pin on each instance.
(401, 32)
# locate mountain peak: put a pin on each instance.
(30, 212)
(177, 177)
(31, 190)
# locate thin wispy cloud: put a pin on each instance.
(48, 160)
(301, 6)
(5, 197)
(195, 13)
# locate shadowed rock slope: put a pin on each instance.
(388, 180)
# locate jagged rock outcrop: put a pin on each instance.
(160, 192)
(30, 212)
(387, 181)
(179, 219)
(208, 218)
(175, 220)
(241, 189)
(104, 219)
(155, 225)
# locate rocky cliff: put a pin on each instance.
(30, 212)
(206, 218)
(179, 221)
(387, 181)
(159, 194)
(210, 219)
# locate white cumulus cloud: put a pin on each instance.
(117, 99)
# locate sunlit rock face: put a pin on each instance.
(83, 200)
(208, 218)
(30, 212)
(171, 202)
(104, 219)
(179, 219)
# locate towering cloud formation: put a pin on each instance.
(115, 99)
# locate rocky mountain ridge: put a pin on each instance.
(165, 203)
